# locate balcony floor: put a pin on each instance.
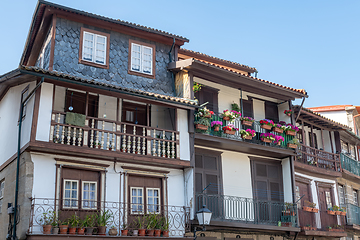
(93, 237)
(320, 233)
(308, 168)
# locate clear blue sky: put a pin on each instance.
(302, 44)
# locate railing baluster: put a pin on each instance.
(113, 145)
(58, 128)
(129, 144)
(62, 134)
(163, 145)
(68, 135)
(107, 141)
(168, 149)
(138, 145)
(172, 145)
(134, 140)
(102, 135)
(159, 148)
(144, 143)
(154, 144)
(92, 134)
(74, 137)
(123, 146)
(80, 137)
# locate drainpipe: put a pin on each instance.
(18, 154)
(172, 74)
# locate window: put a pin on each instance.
(297, 197)
(137, 200)
(153, 200)
(89, 194)
(209, 95)
(341, 195)
(328, 199)
(315, 144)
(71, 196)
(142, 58)
(247, 108)
(94, 48)
(271, 111)
(24, 95)
(355, 197)
(2, 186)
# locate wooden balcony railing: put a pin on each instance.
(319, 158)
(350, 164)
(115, 136)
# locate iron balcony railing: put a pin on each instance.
(237, 123)
(352, 214)
(318, 158)
(350, 164)
(248, 210)
(128, 214)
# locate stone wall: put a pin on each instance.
(66, 59)
(25, 190)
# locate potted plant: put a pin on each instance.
(113, 231)
(294, 143)
(247, 121)
(140, 226)
(55, 224)
(124, 230)
(330, 211)
(288, 112)
(291, 129)
(230, 129)
(157, 231)
(103, 219)
(46, 221)
(89, 223)
(247, 134)
(308, 228)
(151, 223)
(81, 227)
(279, 128)
(74, 221)
(336, 209)
(278, 139)
(165, 226)
(266, 124)
(310, 207)
(196, 87)
(63, 226)
(342, 212)
(328, 228)
(202, 123)
(230, 115)
(267, 137)
(216, 125)
(235, 107)
(204, 112)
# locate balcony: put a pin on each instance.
(112, 136)
(230, 211)
(256, 143)
(350, 164)
(352, 214)
(177, 217)
(318, 159)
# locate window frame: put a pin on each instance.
(23, 92)
(70, 199)
(140, 73)
(107, 48)
(355, 197)
(82, 195)
(2, 190)
(143, 201)
(147, 200)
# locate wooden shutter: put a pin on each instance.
(271, 111)
(248, 108)
(210, 95)
(207, 173)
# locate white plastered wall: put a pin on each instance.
(9, 116)
(326, 136)
(281, 108)
(287, 180)
(183, 128)
(259, 109)
(45, 111)
(337, 116)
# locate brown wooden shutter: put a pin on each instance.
(271, 111)
(248, 108)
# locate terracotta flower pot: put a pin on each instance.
(157, 232)
(248, 137)
(266, 140)
(278, 130)
(330, 212)
(208, 116)
(63, 229)
(343, 213)
(166, 233)
(141, 232)
(201, 127)
(150, 232)
(307, 209)
(46, 229)
(89, 230)
(81, 231)
(230, 132)
(216, 129)
(337, 212)
(226, 118)
(291, 133)
(246, 123)
(124, 232)
(114, 232)
(102, 230)
(72, 230)
(267, 127)
(288, 114)
(291, 145)
(55, 230)
(314, 210)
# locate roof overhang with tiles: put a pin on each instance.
(227, 77)
(27, 74)
(43, 17)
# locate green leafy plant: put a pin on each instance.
(152, 220)
(46, 218)
(165, 223)
(196, 87)
(310, 204)
(235, 107)
(335, 208)
(74, 221)
(139, 222)
(295, 141)
(203, 121)
(103, 218)
(89, 220)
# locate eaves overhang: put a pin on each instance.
(236, 80)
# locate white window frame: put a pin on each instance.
(82, 195)
(94, 48)
(143, 200)
(328, 199)
(341, 194)
(71, 199)
(2, 187)
(153, 197)
(355, 197)
(142, 59)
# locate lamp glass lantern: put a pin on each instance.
(204, 216)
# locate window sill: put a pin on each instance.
(141, 74)
(93, 64)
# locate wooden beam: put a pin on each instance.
(331, 141)
(302, 132)
(322, 139)
(312, 136)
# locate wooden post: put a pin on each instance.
(312, 136)
(322, 139)
(331, 141)
(302, 132)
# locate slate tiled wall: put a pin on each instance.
(66, 58)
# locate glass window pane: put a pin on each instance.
(86, 186)
(67, 184)
(134, 192)
(74, 185)
(92, 186)
(139, 192)
(156, 192)
(67, 194)
(150, 192)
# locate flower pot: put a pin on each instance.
(134, 233)
(201, 127)
(208, 116)
(278, 130)
(266, 140)
(246, 123)
(288, 114)
(278, 143)
(343, 213)
(216, 129)
(55, 230)
(286, 224)
(89, 230)
(291, 133)
(226, 118)
(305, 228)
(330, 212)
(63, 229)
(290, 145)
(72, 230)
(46, 229)
(307, 209)
(315, 210)
(337, 212)
(150, 232)
(81, 231)
(230, 132)
(114, 232)
(124, 232)
(157, 232)
(248, 137)
(166, 233)
(141, 232)
(102, 230)
(267, 127)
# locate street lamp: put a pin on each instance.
(204, 217)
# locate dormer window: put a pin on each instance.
(94, 48)
(142, 59)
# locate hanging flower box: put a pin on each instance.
(230, 115)
(216, 129)
(291, 133)
(330, 212)
(290, 145)
(267, 127)
(337, 212)
(278, 130)
(267, 124)
(342, 213)
(216, 125)
(201, 127)
(208, 116)
(288, 112)
(266, 140)
(230, 132)
(230, 129)
(247, 134)
(226, 118)
(315, 210)
(246, 123)
(247, 137)
(307, 209)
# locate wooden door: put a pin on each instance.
(326, 200)
(305, 218)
